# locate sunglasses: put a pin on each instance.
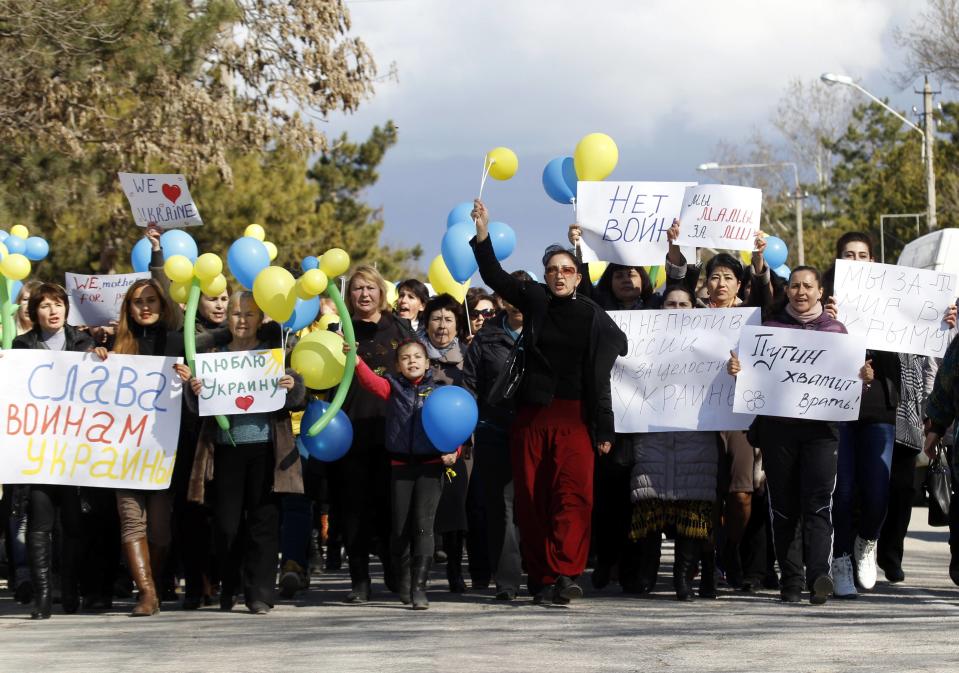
(564, 270)
(487, 313)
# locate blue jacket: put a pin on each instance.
(405, 435)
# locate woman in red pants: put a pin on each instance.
(564, 410)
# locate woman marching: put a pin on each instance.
(249, 468)
(799, 457)
(565, 409)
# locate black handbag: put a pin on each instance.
(938, 487)
(507, 381)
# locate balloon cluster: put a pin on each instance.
(594, 158)
(775, 254)
(207, 269)
(451, 270)
(173, 242)
(17, 249)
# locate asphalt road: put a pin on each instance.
(913, 626)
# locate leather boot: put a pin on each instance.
(453, 544)
(39, 546)
(138, 561)
(403, 579)
(69, 575)
(651, 550)
(707, 574)
(685, 554)
(420, 576)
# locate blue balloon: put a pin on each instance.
(304, 313)
(559, 180)
(504, 239)
(457, 252)
(300, 448)
(449, 417)
(776, 252)
(178, 242)
(37, 249)
(309, 263)
(15, 245)
(461, 213)
(782, 271)
(140, 256)
(246, 258)
(4, 235)
(334, 440)
(15, 288)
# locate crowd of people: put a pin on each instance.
(545, 487)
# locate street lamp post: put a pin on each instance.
(798, 196)
(928, 136)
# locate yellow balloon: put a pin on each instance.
(180, 292)
(443, 282)
(271, 249)
(15, 267)
(19, 231)
(208, 266)
(319, 359)
(392, 295)
(274, 290)
(596, 270)
(746, 256)
(255, 231)
(314, 282)
(595, 157)
(328, 319)
(3, 251)
(179, 269)
(334, 262)
(213, 287)
(502, 163)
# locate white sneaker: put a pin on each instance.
(842, 577)
(865, 553)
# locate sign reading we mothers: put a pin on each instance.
(96, 300)
(674, 374)
(163, 199)
(720, 216)
(71, 418)
(895, 308)
(798, 373)
(241, 382)
(626, 222)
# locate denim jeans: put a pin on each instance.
(865, 463)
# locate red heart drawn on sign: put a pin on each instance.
(172, 192)
(244, 402)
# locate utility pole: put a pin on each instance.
(929, 129)
(801, 253)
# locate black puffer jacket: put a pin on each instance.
(76, 340)
(485, 359)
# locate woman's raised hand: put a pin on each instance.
(831, 308)
(153, 234)
(481, 217)
(732, 366)
(101, 352)
(575, 233)
(196, 385)
(182, 371)
(950, 317)
(759, 247)
(866, 373)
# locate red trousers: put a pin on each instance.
(552, 459)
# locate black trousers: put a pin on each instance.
(415, 491)
(800, 460)
(902, 493)
(243, 495)
(612, 510)
(100, 545)
(494, 476)
(45, 501)
(361, 482)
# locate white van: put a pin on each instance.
(937, 251)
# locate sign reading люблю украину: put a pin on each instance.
(720, 216)
(161, 198)
(673, 376)
(799, 373)
(895, 308)
(241, 382)
(626, 222)
(73, 419)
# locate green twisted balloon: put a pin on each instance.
(189, 342)
(7, 312)
(344, 386)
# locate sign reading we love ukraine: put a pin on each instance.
(160, 198)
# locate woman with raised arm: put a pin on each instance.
(564, 410)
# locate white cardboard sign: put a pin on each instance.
(720, 216)
(626, 222)
(895, 308)
(674, 375)
(71, 418)
(798, 373)
(162, 198)
(95, 299)
(241, 382)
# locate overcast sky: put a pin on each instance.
(666, 79)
